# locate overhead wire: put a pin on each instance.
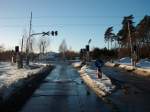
(63, 24)
(85, 16)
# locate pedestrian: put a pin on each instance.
(99, 63)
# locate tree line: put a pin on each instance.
(130, 37)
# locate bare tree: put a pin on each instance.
(63, 48)
(23, 41)
(43, 44)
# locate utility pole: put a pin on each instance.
(129, 35)
(29, 43)
(30, 29)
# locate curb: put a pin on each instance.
(98, 91)
(92, 84)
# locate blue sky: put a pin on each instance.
(75, 20)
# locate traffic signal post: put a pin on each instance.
(53, 33)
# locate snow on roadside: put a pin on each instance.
(104, 83)
(38, 64)
(77, 64)
(11, 76)
(143, 63)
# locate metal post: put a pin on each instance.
(88, 50)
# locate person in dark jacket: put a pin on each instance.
(99, 63)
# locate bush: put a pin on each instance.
(103, 53)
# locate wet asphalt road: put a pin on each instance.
(132, 93)
(63, 91)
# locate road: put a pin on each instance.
(64, 91)
(132, 93)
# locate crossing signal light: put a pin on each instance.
(54, 33)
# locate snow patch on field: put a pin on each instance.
(143, 63)
(125, 60)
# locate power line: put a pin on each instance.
(61, 25)
(77, 24)
(47, 17)
(88, 16)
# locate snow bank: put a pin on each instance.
(77, 64)
(104, 83)
(10, 76)
(109, 64)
